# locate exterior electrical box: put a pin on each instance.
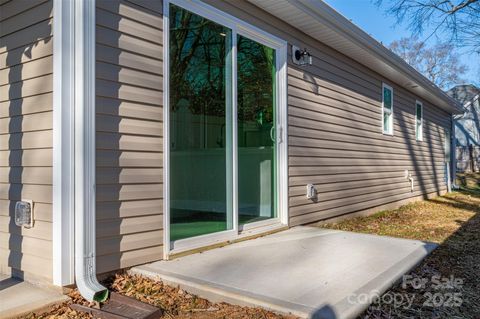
(311, 191)
(24, 213)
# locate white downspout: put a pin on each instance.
(453, 153)
(85, 258)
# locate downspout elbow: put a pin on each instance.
(85, 234)
(86, 280)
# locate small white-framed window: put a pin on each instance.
(419, 121)
(387, 109)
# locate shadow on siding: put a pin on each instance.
(16, 161)
(423, 166)
(119, 203)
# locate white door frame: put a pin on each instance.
(238, 27)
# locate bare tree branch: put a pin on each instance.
(439, 63)
(459, 20)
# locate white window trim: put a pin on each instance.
(420, 137)
(383, 110)
(238, 27)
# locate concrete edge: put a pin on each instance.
(384, 281)
(214, 293)
(37, 307)
(422, 242)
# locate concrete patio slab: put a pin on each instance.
(305, 271)
(19, 298)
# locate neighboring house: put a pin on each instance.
(467, 125)
(210, 124)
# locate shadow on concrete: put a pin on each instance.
(8, 282)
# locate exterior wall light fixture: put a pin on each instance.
(301, 57)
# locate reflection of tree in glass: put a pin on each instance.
(197, 63)
(256, 93)
(255, 81)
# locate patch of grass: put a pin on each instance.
(452, 221)
(469, 181)
(433, 220)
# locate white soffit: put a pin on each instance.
(318, 20)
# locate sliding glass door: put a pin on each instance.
(222, 132)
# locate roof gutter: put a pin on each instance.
(84, 158)
(471, 101)
(329, 18)
(465, 106)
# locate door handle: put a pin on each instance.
(279, 135)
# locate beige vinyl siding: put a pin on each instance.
(326, 141)
(129, 133)
(26, 135)
(335, 132)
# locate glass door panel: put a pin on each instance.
(256, 131)
(200, 125)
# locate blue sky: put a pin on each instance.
(375, 22)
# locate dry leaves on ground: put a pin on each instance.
(175, 302)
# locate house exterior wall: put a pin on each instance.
(26, 136)
(467, 135)
(335, 132)
(129, 133)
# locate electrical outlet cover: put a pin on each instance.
(24, 213)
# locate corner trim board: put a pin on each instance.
(166, 132)
(63, 153)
